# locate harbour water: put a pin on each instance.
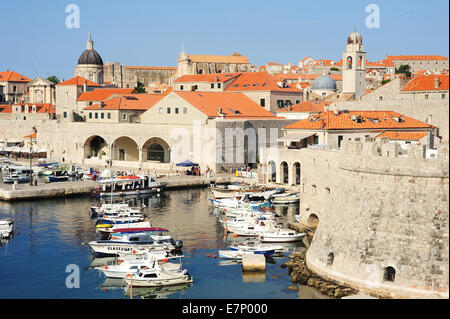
(50, 236)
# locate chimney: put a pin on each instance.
(84, 86)
(436, 83)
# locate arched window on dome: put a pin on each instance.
(349, 62)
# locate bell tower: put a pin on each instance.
(354, 67)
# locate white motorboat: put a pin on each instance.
(121, 220)
(132, 185)
(132, 266)
(134, 243)
(154, 277)
(106, 231)
(6, 227)
(233, 254)
(20, 178)
(281, 235)
(252, 229)
(291, 198)
(98, 210)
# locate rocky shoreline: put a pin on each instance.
(300, 274)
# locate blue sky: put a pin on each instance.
(36, 42)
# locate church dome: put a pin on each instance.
(354, 38)
(324, 82)
(90, 57)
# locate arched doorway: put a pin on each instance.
(125, 149)
(271, 172)
(284, 171)
(156, 150)
(95, 146)
(296, 171)
(389, 274)
(313, 220)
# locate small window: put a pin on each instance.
(262, 102)
(181, 87)
(426, 96)
(109, 116)
(176, 110)
(443, 95)
(160, 110)
(65, 114)
(102, 115)
(124, 116)
(219, 85)
(380, 98)
(184, 110)
(96, 115)
(330, 259)
(168, 110)
(90, 115)
(212, 85)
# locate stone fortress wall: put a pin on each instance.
(378, 213)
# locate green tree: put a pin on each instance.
(53, 79)
(385, 81)
(140, 89)
(404, 69)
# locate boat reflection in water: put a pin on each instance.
(161, 292)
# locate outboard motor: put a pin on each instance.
(179, 244)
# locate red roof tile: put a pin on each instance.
(12, 76)
(308, 106)
(138, 102)
(427, 83)
(214, 77)
(233, 105)
(258, 81)
(78, 81)
(402, 136)
(369, 120)
(102, 94)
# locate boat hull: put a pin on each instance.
(280, 239)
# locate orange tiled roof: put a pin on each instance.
(258, 81)
(233, 105)
(78, 81)
(5, 108)
(139, 102)
(308, 106)
(427, 83)
(370, 120)
(12, 76)
(416, 57)
(238, 59)
(39, 107)
(324, 62)
(402, 136)
(102, 94)
(214, 77)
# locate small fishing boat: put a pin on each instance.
(252, 229)
(280, 236)
(58, 176)
(6, 227)
(154, 277)
(121, 220)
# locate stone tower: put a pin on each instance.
(90, 64)
(354, 67)
(183, 63)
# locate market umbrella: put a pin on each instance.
(187, 163)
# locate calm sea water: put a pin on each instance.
(50, 235)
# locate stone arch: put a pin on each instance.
(313, 220)
(125, 149)
(389, 274)
(284, 173)
(271, 171)
(349, 62)
(95, 146)
(156, 149)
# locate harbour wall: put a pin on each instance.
(382, 218)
